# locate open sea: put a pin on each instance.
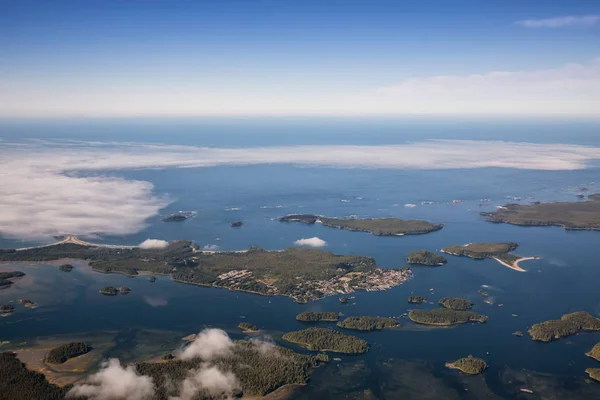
(565, 279)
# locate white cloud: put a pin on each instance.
(311, 242)
(409, 205)
(153, 244)
(156, 301)
(209, 380)
(559, 22)
(115, 382)
(44, 192)
(208, 345)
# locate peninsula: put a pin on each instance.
(247, 327)
(568, 324)
(314, 316)
(323, 339)
(469, 365)
(367, 323)
(594, 373)
(376, 226)
(300, 273)
(499, 251)
(594, 352)
(444, 317)
(579, 215)
(6, 278)
(425, 257)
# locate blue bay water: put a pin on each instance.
(564, 280)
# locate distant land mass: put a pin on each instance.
(302, 274)
(499, 251)
(568, 324)
(581, 215)
(376, 226)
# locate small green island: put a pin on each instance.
(594, 352)
(568, 324)
(247, 327)
(416, 299)
(594, 373)
(343, 299)
(499, 251)
(124, 290)
(236, 224)
(469, 365)
(28, 303)
(175, 218)
(456, 303)
(109, 291)
(366, 323)
(578, 215)
(323, 339)
(444, 317)
(300, 273)
(425, 257)
(152, 278)
(7, 309)
(314, 316)
(66, 267)
(518, 333)
(376, 226)
(61, 354)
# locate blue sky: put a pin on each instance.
(151, 57)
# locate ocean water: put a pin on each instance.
(564, 280)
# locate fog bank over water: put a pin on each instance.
(44, 193)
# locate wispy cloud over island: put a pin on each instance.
(311, 242)
(560, 22)
(55, 188)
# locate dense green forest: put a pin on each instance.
(247, 327)
(314, 316)
(594, 352)
(470, 365)
(60, 354)
(568, 324)
(456, 303)
(19, 383)
(482, 250)
(323, 339)
(444, 316)
(376, 226)
(416, 299)
(425, 257)
(259, 371)
(366, 323)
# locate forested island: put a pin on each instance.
(6, 309)
(323, 339)
(579, 215)
(61, 354)
(343, 299)
(425, 257)
(456, 303)
(444, 317)
(19, 383)
(6, 278)
(568, 324)
(594, 352)
(314, 316)
(247, 327)
(124, 290)
(376, 226)
(300, 273)
(175, 218)
(366, 323)
(28, 303)
(416, 299)
(469, 365)
(66, 267)
(109, 291)
(499, 251)
(259, 371)
(236, 224)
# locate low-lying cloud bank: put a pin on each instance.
(311, 242)
(46, 188)
(153, 244)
